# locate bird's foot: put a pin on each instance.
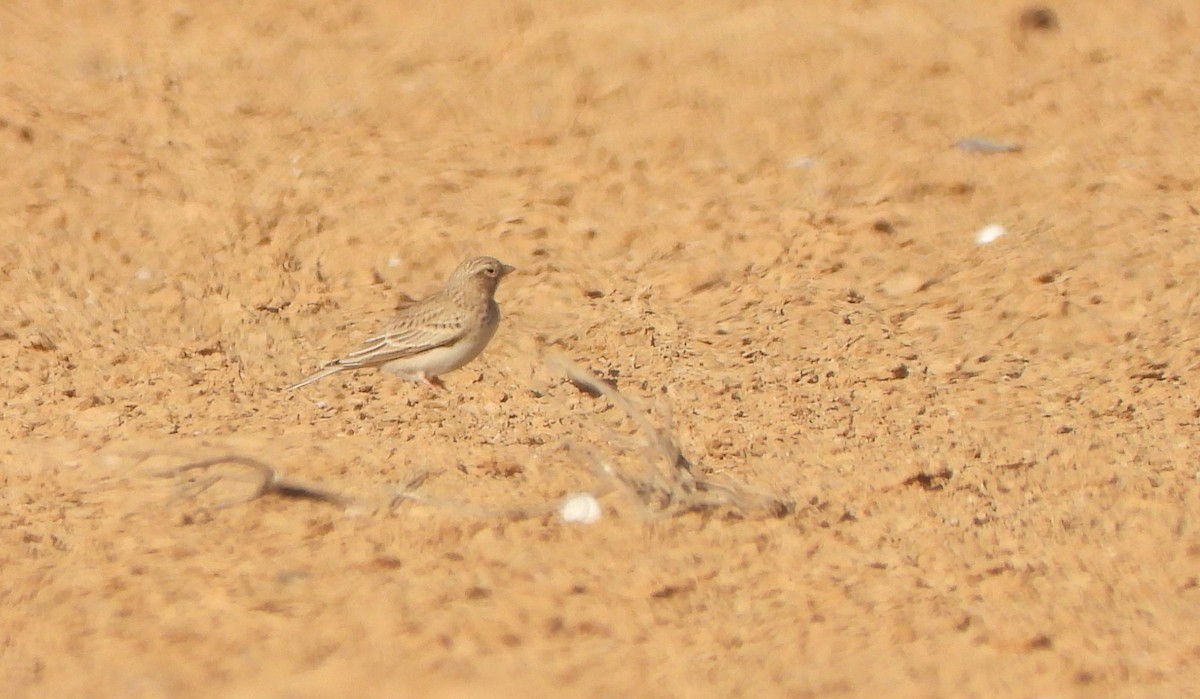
(433, 382)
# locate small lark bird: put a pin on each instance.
(435, 335)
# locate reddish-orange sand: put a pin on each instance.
(751, 216)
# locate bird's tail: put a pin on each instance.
(327, 371)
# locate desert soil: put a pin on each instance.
(751, 218)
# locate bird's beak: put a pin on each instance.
(506, 270)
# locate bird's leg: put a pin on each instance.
(433, 382)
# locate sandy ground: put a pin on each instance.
(751, 217)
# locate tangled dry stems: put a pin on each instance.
(666, 484)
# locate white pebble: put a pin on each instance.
(580, 508)
(990, 234)
(394, 261)
(144, 274)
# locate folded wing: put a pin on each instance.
(406, 340)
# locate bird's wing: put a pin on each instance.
(405, 337)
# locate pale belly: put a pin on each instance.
(441, 360)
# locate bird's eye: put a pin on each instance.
(490, 271)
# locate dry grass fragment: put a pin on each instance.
(269, 482)
(665, 483)
(406, 493)
(671, 485)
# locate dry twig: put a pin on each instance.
(673, 486)
(270, 481)
(405, 493)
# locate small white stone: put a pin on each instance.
(990, 234)
(144, 274)
(394, 261)
(580, 508)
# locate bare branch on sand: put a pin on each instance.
(669, 483)
(663, 482)
(269, 481)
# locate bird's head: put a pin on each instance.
(482, 274)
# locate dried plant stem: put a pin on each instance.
(676, 489)
(270, 481)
